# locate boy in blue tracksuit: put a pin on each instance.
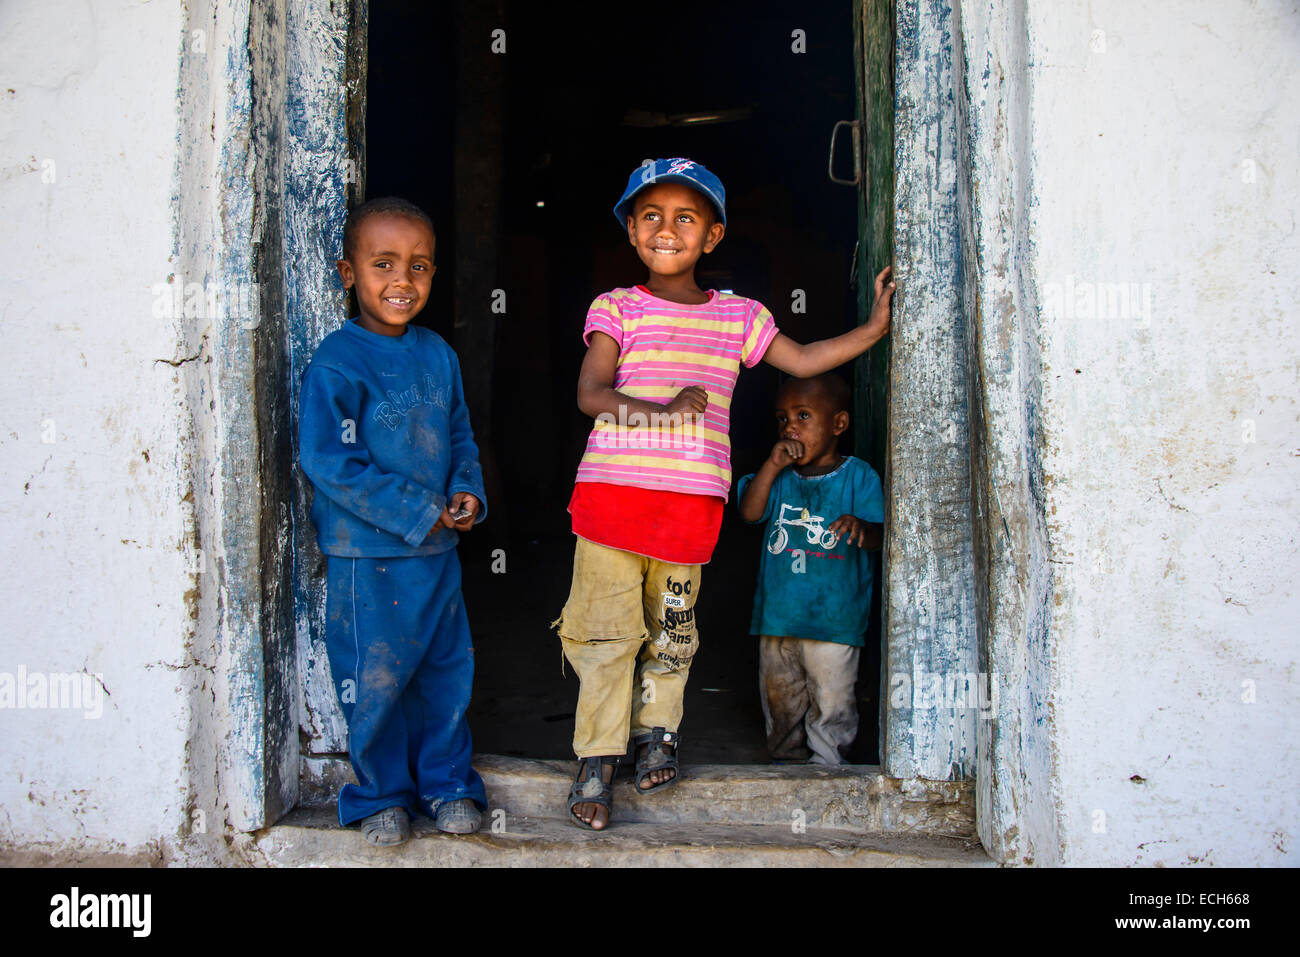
(384, 436)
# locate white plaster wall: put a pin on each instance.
(1173, 537)
(1165, 138)
(94, 570)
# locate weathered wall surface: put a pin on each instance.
(1016, 785)
(98, 568)
(1133, 185)
(144, 429)
(1166, 143)
(1127, 183)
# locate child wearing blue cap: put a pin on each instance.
(384, 436)
(661, 365)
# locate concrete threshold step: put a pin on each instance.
(850, 798)
(312, 837)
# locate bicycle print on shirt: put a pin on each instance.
(811, 524)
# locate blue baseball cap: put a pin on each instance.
(679, 170)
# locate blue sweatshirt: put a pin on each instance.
(384, 436)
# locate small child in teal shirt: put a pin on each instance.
(824, 512)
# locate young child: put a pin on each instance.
(662, 359)
(823, 510)
(384, 436)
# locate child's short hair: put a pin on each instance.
(835, 390)
(394, 205)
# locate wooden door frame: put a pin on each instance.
(315, 160)
(325, 158)
(928, 599)
(283, 153)
(965, 597)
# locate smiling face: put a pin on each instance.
(391, 266)
(672, 226)
(805, 412)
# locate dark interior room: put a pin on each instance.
(518, 143)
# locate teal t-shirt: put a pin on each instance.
(811, 584)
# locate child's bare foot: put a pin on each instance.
(656, 759)
(594, 813)
(655, 778)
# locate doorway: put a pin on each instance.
(549, 117)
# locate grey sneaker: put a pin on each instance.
(458, 817)
(387, 828)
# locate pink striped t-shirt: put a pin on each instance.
(663, 348)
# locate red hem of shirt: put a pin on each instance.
(680, 528)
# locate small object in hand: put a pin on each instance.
(461, 514)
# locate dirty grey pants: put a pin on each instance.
(807, 690)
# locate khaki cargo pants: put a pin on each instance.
(628, 630)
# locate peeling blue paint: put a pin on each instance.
(928, 606)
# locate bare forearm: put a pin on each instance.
(598, 398)
(827, 354)
(754, 502)
(606, 400)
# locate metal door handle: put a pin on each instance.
(857, 154)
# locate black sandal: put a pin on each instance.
(590, 787)
(655, 758)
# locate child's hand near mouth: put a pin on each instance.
(786, 452)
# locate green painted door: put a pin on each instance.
(873, 47)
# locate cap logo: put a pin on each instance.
(679, 167)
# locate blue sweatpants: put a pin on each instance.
(403, 664)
